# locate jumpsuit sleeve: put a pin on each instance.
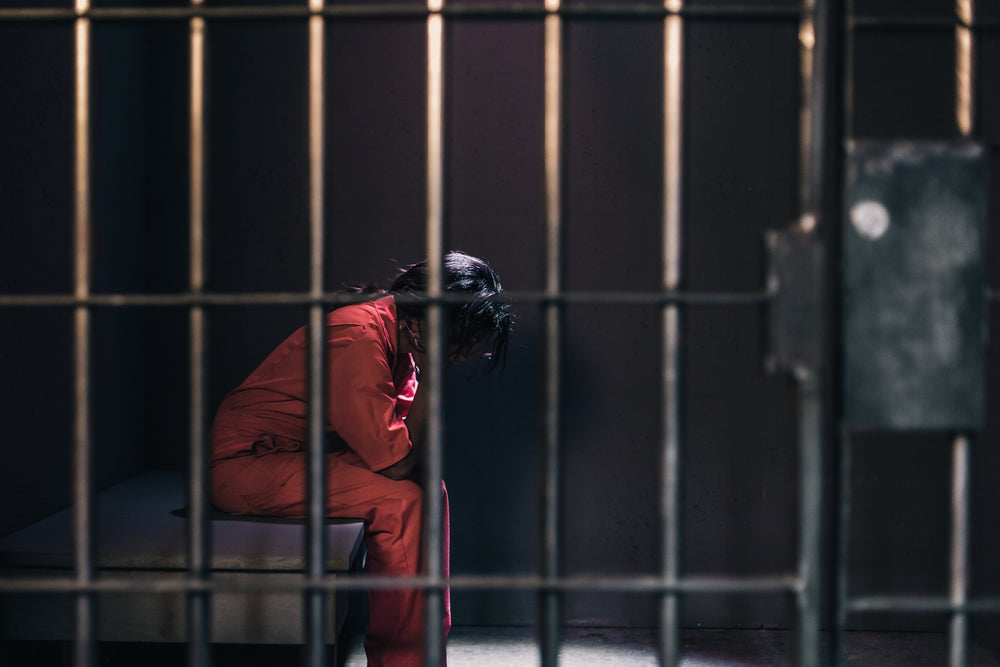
(362, 397)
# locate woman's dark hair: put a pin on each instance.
(480, 323)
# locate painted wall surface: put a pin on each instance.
(740, 178)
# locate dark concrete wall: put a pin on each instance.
(36, 145)
(740, 178)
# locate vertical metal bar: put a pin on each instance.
(813, 66)
(434, 378)
(848, 65)
(810, 517)
(83, 505)
(843, 550)
(551, 601)
(813, 56)
(670, 501)
(199, 620)
(315, 542)
(315, 598)
(964, 69)
(846, 127)
(958, 639)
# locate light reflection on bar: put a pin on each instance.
(433, 376)
(314, 600)
(673, 50)
(964, 69)
(550, 602)
(199, 550)
(82, 474)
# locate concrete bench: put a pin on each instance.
(141, 536)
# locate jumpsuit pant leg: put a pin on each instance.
(274, 485)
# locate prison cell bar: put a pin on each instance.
(814, 75)
(958, 626)
(83, 455)
(199, 619)
(958, 630)
(662, 298)
(550, 602)
(624, 584)
(670, 500)
(469, 9)
(841, 599)
(552, 492)
(979, 24)
(434, 375)
(810, 509)
(314, 597)
(965, 108)
(748, 585)
(844, 452)
(463, 9)
(957, 603)
(83, 301)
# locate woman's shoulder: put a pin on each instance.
(378, 314)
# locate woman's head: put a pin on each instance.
(479, 324)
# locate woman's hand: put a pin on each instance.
(415, 419)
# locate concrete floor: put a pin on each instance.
(585, 647)
(515, 647)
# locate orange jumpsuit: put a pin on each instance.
(259, 462)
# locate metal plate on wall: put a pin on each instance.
(797, 329)
(915, 286)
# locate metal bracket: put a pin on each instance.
(797, 312)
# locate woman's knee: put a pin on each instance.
(399, 509)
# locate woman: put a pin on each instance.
(374, 425)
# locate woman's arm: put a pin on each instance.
(415, 418)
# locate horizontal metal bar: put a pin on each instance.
(920, 23)
(628, 10)
(591, 584)
(470, 10)
(921, 604)
(334, 298)
(460, 9)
